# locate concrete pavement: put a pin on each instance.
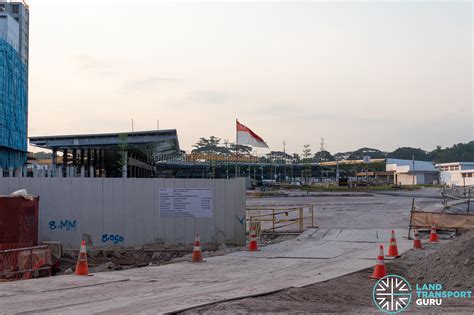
(316, 255)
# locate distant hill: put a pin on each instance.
(373, 153)
(462, 152)
(323, 156)
(407, 153)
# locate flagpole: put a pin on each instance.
(236, 146)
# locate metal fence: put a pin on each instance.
(25, 263)
(282, 219)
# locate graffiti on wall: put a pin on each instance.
(65, 225)
(114, 238)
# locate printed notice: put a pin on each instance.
(186, 202)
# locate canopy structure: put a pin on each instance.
(112, 154)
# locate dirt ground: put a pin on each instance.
(110, 260)
(353, 293)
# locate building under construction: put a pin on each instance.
(14, 17)
(130, 154)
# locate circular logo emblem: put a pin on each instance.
(392, 294)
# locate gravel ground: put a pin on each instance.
(353, 293)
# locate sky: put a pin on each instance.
(380, 74)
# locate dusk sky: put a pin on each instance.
(377, 74)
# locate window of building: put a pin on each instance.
(15, 8)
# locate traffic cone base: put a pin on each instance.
(379, 271)
(393, 248)
(82, 269)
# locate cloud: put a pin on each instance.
(93, 64)
(148, 82)
(207, 97)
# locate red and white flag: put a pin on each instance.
(247, 136)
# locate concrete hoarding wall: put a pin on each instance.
(125, 212)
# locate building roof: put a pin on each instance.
(408, 165)
(456, 164)
(163, 141)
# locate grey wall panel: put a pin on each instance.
(129, 212)
(230, 212)
(92, 211)
(179, 231)
(207, 225)
(240, 212)
(159, 222)
(9, 185)
(148, 211)
(189, 224)
(220, 210)
(125, 212)
(139, 212)
(169, 222)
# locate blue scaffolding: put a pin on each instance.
(13, 107)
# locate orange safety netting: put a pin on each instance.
(442, 220)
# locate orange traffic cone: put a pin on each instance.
(197, 254)
(433, 235)
(379, 270)
(253, 239)
(392, 248)
(416, 240)
(82, 269)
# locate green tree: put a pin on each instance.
(210, 145)
(306, 154)
(123, 152)
(407, 153)
(242, 149)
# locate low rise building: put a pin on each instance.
(457, 173)
(409, 172)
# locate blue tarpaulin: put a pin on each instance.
(13, 107)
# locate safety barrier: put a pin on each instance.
(281, 217)
(25, 263)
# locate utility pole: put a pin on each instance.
(284, 158)
(321, 150)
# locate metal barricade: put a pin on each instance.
(25, 263)
(276, 215)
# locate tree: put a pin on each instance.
(407, 153)
(295, 158)
(323, 156)
(306, 154)
(123, 153)
(278, 157)
(373, 153)
(242, 149)
(210, 146)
